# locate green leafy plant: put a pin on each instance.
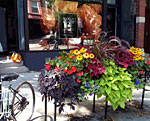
(116, 84)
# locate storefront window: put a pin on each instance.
(63, 24)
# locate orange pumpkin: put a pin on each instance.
(16, 57)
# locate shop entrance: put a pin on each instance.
(8, 25)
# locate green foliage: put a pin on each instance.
(116, 84)
(136, 70)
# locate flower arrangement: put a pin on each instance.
(139, 67)
(71, 76)
(107, 68)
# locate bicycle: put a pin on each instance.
(16, 104)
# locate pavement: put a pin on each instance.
(83, 111)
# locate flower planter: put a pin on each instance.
(112, 72)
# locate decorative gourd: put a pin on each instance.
(16, 57)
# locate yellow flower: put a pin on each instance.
(64, 51)
(76, 52)
(138, 49)
(134, 52)
(79, 57)
(132, 48)
(86, 55)
(142, 58)
(142, 53)
(91, 56)
(71, 51)
(138, 55)
(83, 50)
(135, 58)
(139, 58)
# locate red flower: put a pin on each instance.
(69, 72)
(78, 80)
(59, 57)
(73, 69)
(141, 72)
(77, 70)
(57, 69)
(64, 70)
(103, 70)
(73, 57)
(68, 62)
(126, 65)
(47, 66)
(80, 74)
(148, 62)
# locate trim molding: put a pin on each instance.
(140, 19)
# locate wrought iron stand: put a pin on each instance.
(147, 76)
(106, 105)
(45, 116)
(55, 111)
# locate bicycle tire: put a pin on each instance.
(15, 98)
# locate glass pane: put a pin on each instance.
(35, 10)
(34, 4)
(63, 24)
(111, 20)
(111, 1)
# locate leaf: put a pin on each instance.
(108, 90)
(99, 95)
(127, 78)
(114, 106)
(109, 84)
(117, 93)
(120, 86)
(114, 87)
(124, 84)
(130, 96)
(122, 104)
(57, 64)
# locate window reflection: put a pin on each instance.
(59, 24)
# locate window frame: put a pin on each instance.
(35, 7)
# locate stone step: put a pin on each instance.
(10, 63)
(8, 70)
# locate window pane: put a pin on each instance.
(111, 1)
(34, 4)
(35, 10)
(64, 24)
(111, 20)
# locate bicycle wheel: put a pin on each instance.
(23, 102)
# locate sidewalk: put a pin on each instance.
(83, 110)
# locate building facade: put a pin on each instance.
(31, 27)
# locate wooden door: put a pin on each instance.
(147, 42)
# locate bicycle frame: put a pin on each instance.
(6, 108)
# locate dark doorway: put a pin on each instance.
(10, 24)
(147, 34)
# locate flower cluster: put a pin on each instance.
(123, 57)
(82, 53)
(138, 54)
